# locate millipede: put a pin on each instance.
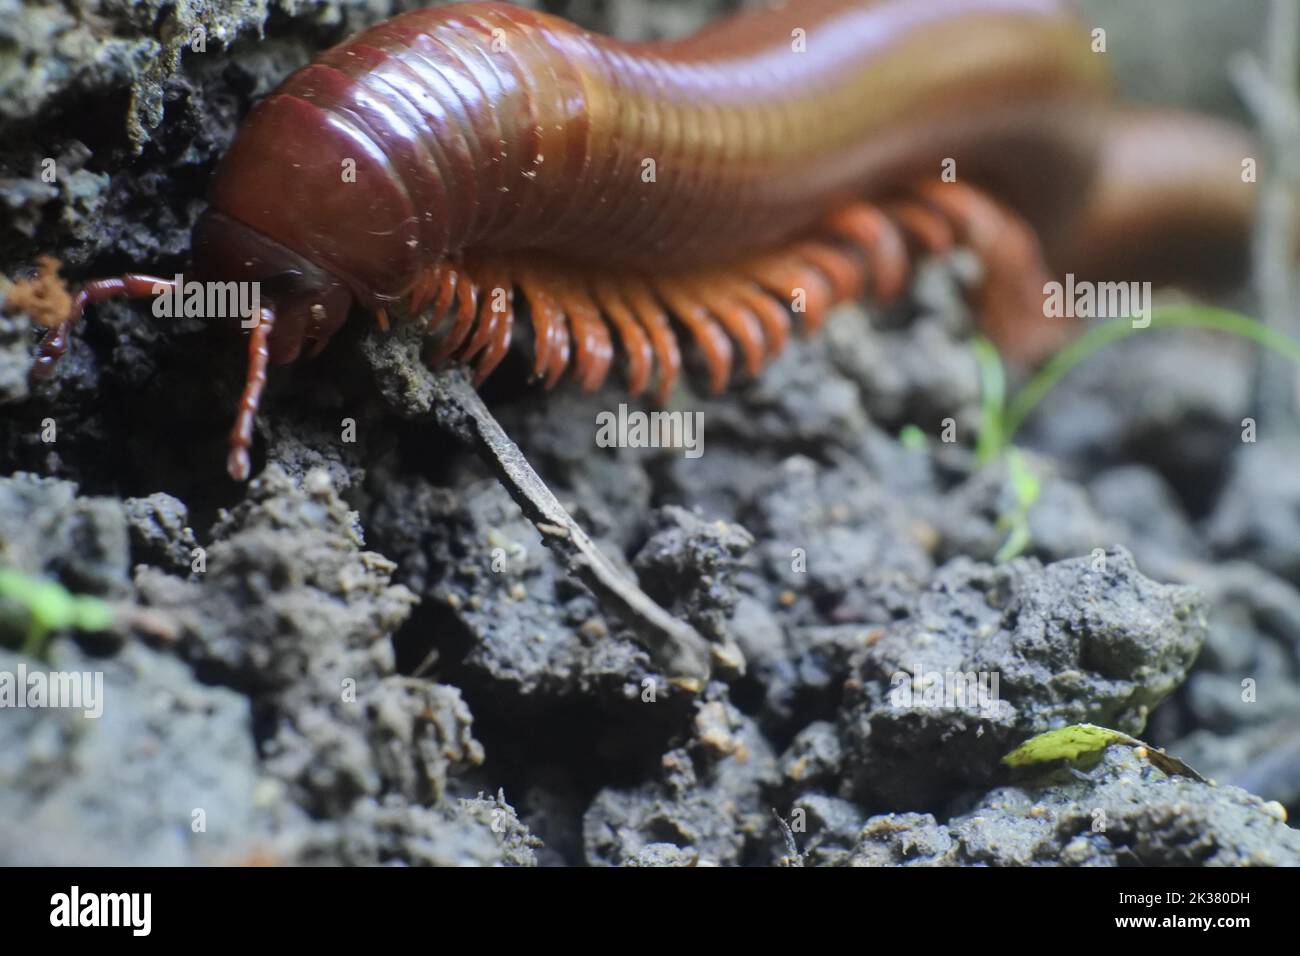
(466, 161)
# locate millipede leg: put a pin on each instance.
(651, 315)
(771, 313)
(737, 318)
(1009, 298)
(238, 462)
(927, 232)
(426, 286)
(593, 350)
(870, 231)
(708, 334)
(997, 235)
(804, 288)
(845, 273)
(445, 297)
(635, 340)
(561, 351)
(496, 325)
(490, 306)
(466, 307)
(547, 318)
(133, 285)
(500, 343)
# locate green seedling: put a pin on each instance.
(1027, 487)
(992, 444)
(50, 607)
(1001, 420)
(1165, 317)
(913, 438)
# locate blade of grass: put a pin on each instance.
(993, 399)
(1166, 317)
(1028, 488)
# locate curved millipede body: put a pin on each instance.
(462, 160)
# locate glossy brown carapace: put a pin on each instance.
(780, 161)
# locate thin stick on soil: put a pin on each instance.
(450, 399)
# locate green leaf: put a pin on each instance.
(1071, 743)
(1067, 743)
(910, 436)
(51, 607)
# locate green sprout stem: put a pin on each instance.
(993, 399)
(50, 607)
(1166, 317)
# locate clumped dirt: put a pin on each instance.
(367, 655)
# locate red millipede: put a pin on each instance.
(792, 156)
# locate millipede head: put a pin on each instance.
(311, 303)
(296, 302)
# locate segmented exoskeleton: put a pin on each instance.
(781, 160)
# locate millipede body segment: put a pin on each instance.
(461, 160)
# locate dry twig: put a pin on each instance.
(450, 400)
